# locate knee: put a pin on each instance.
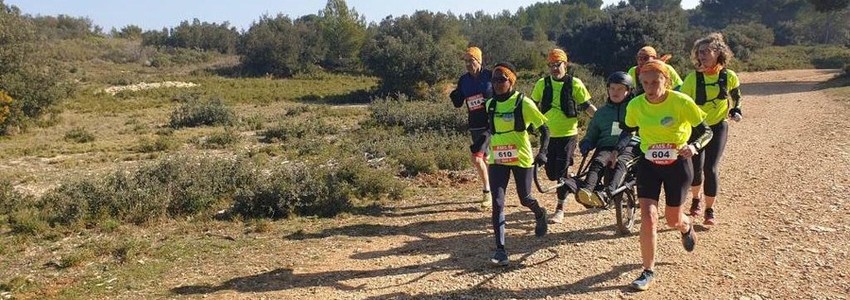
(673, 219)
(649, 216)
(528, 201)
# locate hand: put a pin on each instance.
(540, 159)
(688, 150)
(735, 114)
(584, 147)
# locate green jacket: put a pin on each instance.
(605, 127)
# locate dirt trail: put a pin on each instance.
(784, 214)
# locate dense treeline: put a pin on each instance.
(420, 49)
(412, 52)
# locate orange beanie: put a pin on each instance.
(474, 52)
(557, 55)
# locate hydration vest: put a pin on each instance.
(568, 104)
(701, 98)
(519, 121)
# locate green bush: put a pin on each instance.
(424, 152)
(27, 74)
(288, 130)
(157, 144)
(10, 199)
(222, 139)
(194, 113)
(745, 39)
(415, 116)
(172, 187)
(79, 135)
(27, 221)
(294, 190)
(796, 57)
(416, 163)
(370, 182)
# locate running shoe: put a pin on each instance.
(588, 199)
(558, 218)
(602, 197)
(541, 227)
(696, 207)
(500, 257)
(486, 201)
(689, 239)
(642, 282)
(709, 216)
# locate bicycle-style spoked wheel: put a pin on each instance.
(625, 205)
(543, 184)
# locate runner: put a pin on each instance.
(711, 86)
(615, 149)
(511, 113)
(663, 118)
(473, 88)
(561, 97)
(645, 55)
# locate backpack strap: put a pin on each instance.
(724, 85)
(568, 104)
(700, 89)
(546, 102)
(491, 115)
(519, 120)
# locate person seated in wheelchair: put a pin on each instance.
(616, 149)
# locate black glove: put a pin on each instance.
(734, 111)
(540, 159)
(457, 98)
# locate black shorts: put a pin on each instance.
(480, 141)
(675, 177)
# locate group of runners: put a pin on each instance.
(672, 131)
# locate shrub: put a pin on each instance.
(157, 144)
(287, 130)
(10, 199)
(171, 187)
(222, 139)
(407, 51)
(416, 116)
(417, 162)
(194, 112)
(745, 39)
(423, 152)
(294, 190)
(369, 181)
(31, 78)
(79, 135)
(27, 221)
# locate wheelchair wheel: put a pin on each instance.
(626, 206)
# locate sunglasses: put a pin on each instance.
(556, 65)
(499, 79)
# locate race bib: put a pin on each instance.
(615, 128)
(505, 154)
(662, 154)
(475, 102)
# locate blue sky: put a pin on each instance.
(156, 14)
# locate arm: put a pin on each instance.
(625, 138)
(704, 134)
(540, 159)
(457, 98)
(588, 108)
(736, 103)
